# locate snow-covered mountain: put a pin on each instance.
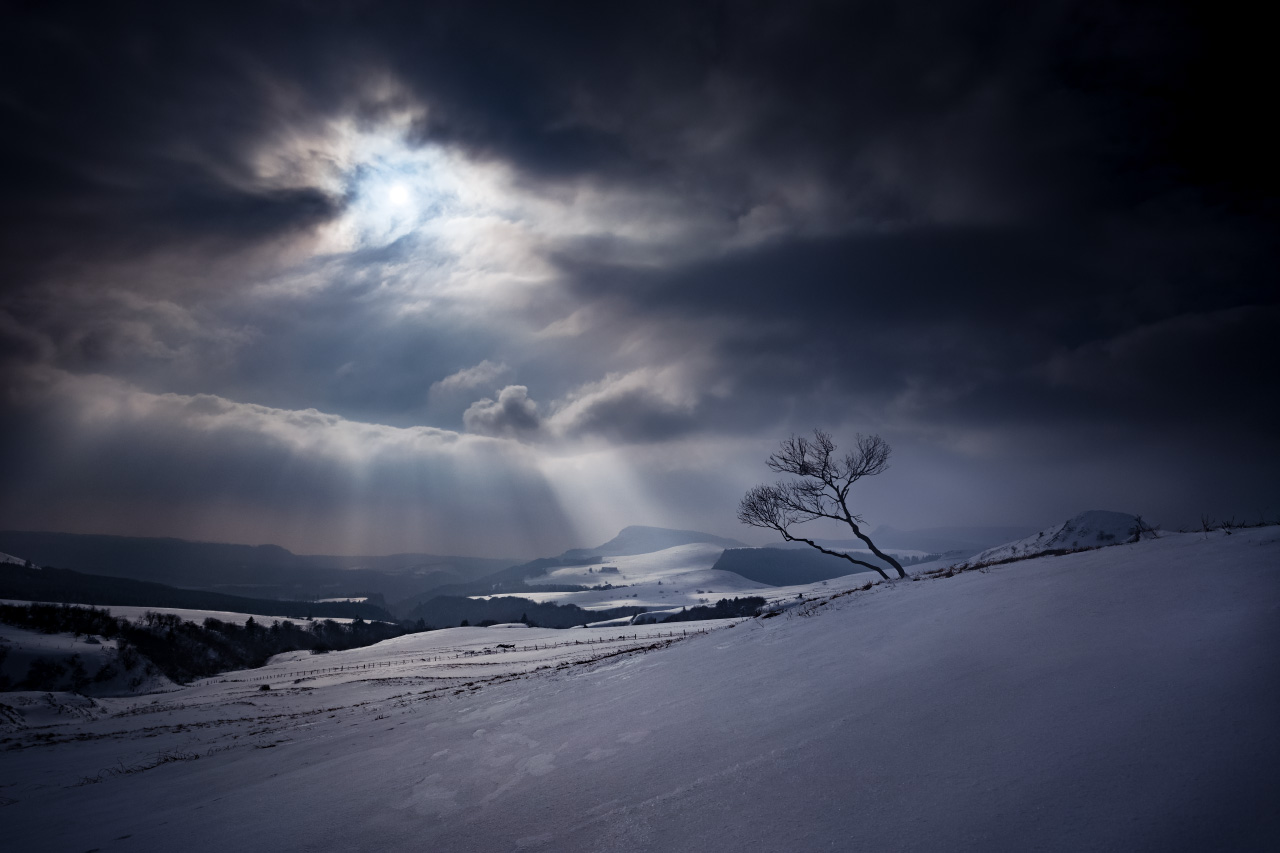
(1091, 529)
(10, 559)
(1113, 699)
(638, 539)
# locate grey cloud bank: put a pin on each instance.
(490, 278)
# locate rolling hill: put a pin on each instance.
(1122, 698)
(638, 539)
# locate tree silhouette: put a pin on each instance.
(821, 492)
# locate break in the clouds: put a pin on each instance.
(500, 277)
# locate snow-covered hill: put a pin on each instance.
(1115, 699)
(1092, 529)
(86, 656)
(638, 539)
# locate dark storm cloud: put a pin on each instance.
(999, 324)
(632, 415)
(945, 219)
(138, 122)
(129, 129)
(137, 125)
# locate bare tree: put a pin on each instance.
(1141, 530)
(822, 491)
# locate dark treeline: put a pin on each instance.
(185, 651)
(70, 587)
(725, 608)
(451, 611)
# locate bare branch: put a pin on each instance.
(771, 507)
(823, 490)
(869, 457)
(1142, 530)
(763, 506)
(841, 554)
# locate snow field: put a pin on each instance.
(454, 652)
(1117, 699)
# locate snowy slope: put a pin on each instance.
(11, 560)
(1113, 699)
(1092, 529)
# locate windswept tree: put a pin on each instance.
(822, 491)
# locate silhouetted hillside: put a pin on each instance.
(259, 571)
(69, 587)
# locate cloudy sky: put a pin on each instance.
(500, 278)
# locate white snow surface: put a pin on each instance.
(6, 559)
(1117, 699)
(1093, 529)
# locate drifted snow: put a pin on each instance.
(1117, 699)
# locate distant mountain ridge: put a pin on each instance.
(639, 539)
(258, 571)
(64, 586)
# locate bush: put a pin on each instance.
(43, 674)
